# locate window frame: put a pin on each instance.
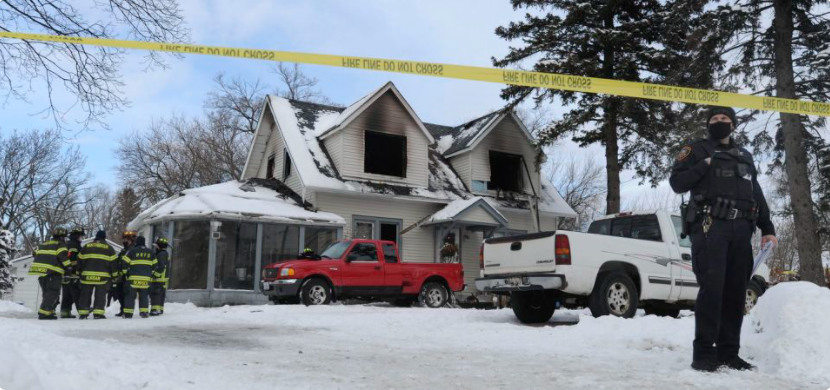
(520, 176)
(403, 153)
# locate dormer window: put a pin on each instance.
(384, 154)
(269, 172)
(286, 166)
(505, 172)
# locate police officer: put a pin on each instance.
(119, 289)
(49, 265)
(71, 279)
(726, 204)
(158, 287)
(97, 265)
(141, 262)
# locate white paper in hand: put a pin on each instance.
(762, 255)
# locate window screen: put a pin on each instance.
(505, 172)
(384, 154)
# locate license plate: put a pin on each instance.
(266, 286)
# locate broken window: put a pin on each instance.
(286, 167)
(385, 154)
(505, 172)
(269, 172)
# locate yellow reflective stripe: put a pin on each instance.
(86, 256)
(143, 262)
(59, 251)
(95, 273)
(139, 277)
(45, 312)
(143, 309)
(46, 252)
(129, 311)
(83, 312)
(98, 311)
(126, 259)
(67, 263)
(96, 282)
(157, 307)
(50, 267)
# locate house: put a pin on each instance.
(26, 290)
(374, 170)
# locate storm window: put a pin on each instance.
(384, 154)
(505, 172)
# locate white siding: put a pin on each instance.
(519, 219)
(418, 243)
(334, 145)
(506, 137)
(461, 165)
(276, 146)
(386, 115)
(548, 223)
(477, 214)
(470, 246)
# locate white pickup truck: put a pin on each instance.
(625, 261)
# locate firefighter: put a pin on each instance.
(118, 291)
(71, 293)
(97, 265)
(141, 263)
(158, 287)
(49, 265)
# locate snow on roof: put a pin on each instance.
(325, 127)
(551, 202)
(300, 122)
(457, 207)
(234, 200)
(455, 139)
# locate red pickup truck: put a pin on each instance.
(367, 269)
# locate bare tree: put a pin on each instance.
(40, 179)
(236, 103)
(90, 73)
(580, 181)
(298, 86)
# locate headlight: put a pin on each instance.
(287, 272)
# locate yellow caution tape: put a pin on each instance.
(493, 75)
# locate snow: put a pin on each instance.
(444, 143)
(325, 126)
(228, 200)
(551, 202)
(792, 324)
(378, 346)
(12, 307)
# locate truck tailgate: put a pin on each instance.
(518, 254)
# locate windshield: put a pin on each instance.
(335, 250)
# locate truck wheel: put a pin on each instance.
(753, 291)
(662, 312)
(433, 295)
(316, 292)
(531, 307)
(614, 294)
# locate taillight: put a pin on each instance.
(563, 250)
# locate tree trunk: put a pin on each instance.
(795, 162)
(612, 157)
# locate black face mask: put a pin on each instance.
(720, 130)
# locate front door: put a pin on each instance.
(362, 273)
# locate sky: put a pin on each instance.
(457, 32)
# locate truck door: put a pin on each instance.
(393, 276)
(362, 271)
(685, 282)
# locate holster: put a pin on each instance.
(688, 215)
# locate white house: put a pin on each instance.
(370, 170)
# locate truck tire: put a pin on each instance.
(614, 294)
(433, 295)
(316, 292)
(754, 290)
(532, 307)
(662, 312)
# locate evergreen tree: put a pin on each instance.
(633, 40)
(789, 58)
(6, 252)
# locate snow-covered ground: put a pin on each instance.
(380, 347)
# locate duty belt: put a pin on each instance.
(737, 214)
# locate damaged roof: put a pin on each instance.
(303, 125)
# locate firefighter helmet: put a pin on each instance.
(58, 232)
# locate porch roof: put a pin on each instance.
(463, 211)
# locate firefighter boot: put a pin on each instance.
(99, 317)
(154, 313)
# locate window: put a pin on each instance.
(269, 172)
(364, 229)
(389, 231)
(189, 260)
(646, 227)
(390, 254)
(286, 166)
(279, 243)
(235, 256)
(335, 250)
(375, 228)
(384, 154)
(479, 186)
(318, 239)
(600, 227)
(505, 172)
(621, 227)
(678, 228)
(364, 252)
(160, 230)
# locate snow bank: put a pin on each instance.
(12, 307)
(15, 372)
(792, 331)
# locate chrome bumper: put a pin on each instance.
(506, 283)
